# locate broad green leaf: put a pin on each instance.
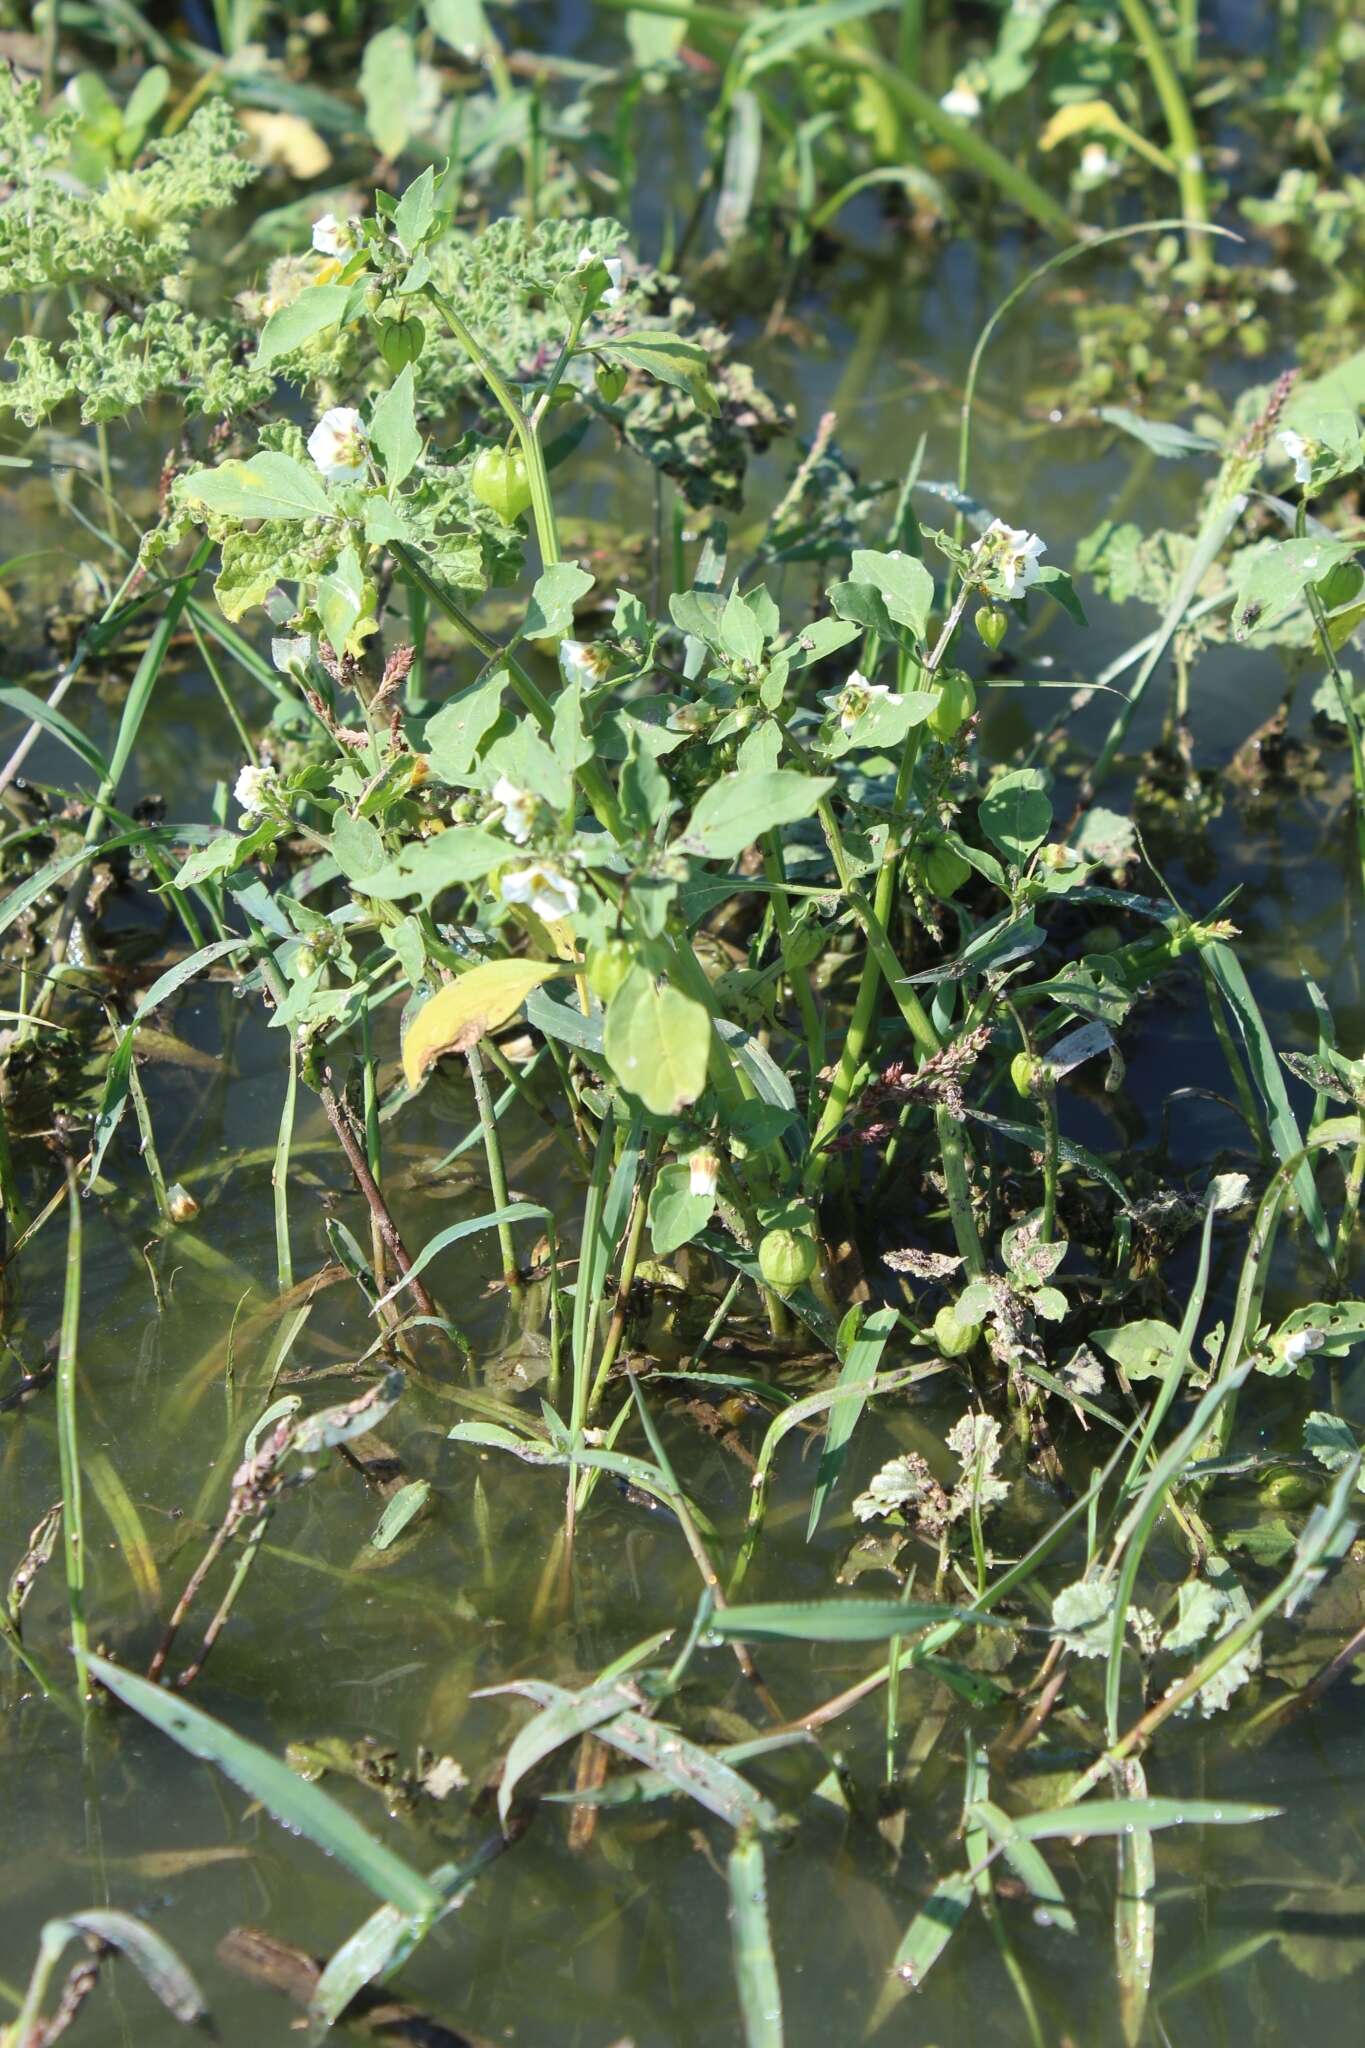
(654, 38)
(393, 430)
(658, 1042)
(904, 584)
(357, 846)
(461, 23)
(760, 1993)
(461, 855)
(468, 1008)
(669, 360)
(317, 307)
(675, 1213)
(269, 486)
(416, 210)
(390, 89)
(302, 1808)
(1016, 813)
(1271, 578)
(558, 589)
(453, 735)
(739, 808)
(837, 1621)
(1145, 1349)
(346, 604)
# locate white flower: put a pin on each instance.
(289, 654)
(1096, 162)
(518, 808)
(1013, 554)
(544, 890)
(252, 787)
(1300, 453)
(702, 1169)
(333, 237)
(858, 696)
(961, 101)
(337, 444)
(1300, 1344)
(614, 267)
(582, 662)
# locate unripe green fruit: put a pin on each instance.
(945, 870)
(991, 625)
(608, 967)
(952, 1336)
(1287, 1490)
(610, 380)
(786, 1258)
(1341, 583)
(400, 342)
(499, 481)
(956, 703)
(1103, 938)
(1026, 1072)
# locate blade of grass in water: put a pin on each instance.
(302, 1807)
(68, 1441)
(760, 1993)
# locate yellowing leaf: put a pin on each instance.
(286, 142)
(1082, 117)
(464, 1011)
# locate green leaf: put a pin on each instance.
(28, 706)
(416, 210)
(153, 1957)
(393, 430)
(269, 486)
(1094, 1817)
(302, 1808)
(932, 1928)
(1269, 1079)
(558, 589)
(405, 1505)
(675, 1213)
(837, 1621)
(904, 584)
(1272, 578)
(515, 1212)
(1145, 1349)
(657, 1041)
(563, 1721)
(669, 360)
(862, 1355)
(390, 89)
(357, 846)
(760, 1993)
(739, 808)
(1016, 813)
(427, 866)
(454, 734)
(316, 308)
(1163, 437)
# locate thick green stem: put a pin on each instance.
(542, 505)
(1189, 162)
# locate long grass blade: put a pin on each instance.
(760, 1993)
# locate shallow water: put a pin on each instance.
(627, 1939)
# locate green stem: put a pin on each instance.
(68, 1447)
(497, 1177)
(542, 505)
(1189, 162)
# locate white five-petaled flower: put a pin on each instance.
(858, 696)
(962, 101)
(544, 890)
(337, 444)
(702, 1169)
(1013, 553)
(518, 809)
(333, 237)
(582, 662)
(1096, 162)
(1300, 453)
(252, 787)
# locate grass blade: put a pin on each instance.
(1116, 1816)
(303, 1808)
(760, 1994)
(515, 1212)
(1135, 1914)
(68, 1441)
(862, 1357)
(837, 1621)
